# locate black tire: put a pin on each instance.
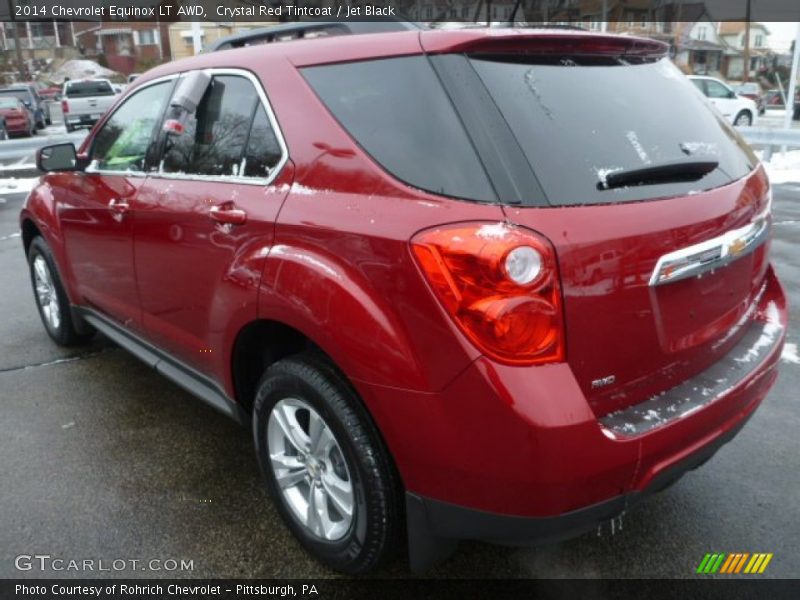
(65, 333)
(376, 526)
(743, 119)
(3, 134)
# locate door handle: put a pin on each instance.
(228, 214)
(118, 206)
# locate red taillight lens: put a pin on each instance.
(500, 285)
(64, 107)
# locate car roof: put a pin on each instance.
(334, 49)
(299, 30)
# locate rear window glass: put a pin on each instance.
(397, 110)
(23, 95)
(80, 89)
(576, 124)
(9, 103)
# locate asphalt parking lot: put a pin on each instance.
(104, 459)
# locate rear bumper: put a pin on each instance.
(516, 455)
(434, 526)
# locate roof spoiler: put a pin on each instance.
(519, 41)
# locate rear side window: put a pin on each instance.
(85, 89)
(397, 110)
(577, 123)
(263, 151)
(217, 138)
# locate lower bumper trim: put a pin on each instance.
(434, 527)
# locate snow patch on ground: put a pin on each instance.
(783, 167)
(80, 69)
(17, 186)
(789, 354)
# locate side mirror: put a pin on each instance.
(190, 91)
(58, 157)
(27, 103)
(732, 95)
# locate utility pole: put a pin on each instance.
(746, 76)
(17, 50)
(787, 122)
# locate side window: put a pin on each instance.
(263, 150)
(700, 84)
(717, 90)
(124, 140)
(217, 140)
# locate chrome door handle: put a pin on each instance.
(228, 214)
(117, 205)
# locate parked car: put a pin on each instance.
(448, 301)
(52, 92)
(736, 109)
(84, 102)
(753, 91)
(774, 99)
(17, 117)
(30, 97)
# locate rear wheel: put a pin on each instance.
(743, 119)
(325, 465)
(51, 299)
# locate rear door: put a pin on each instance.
(204, 220)
(585, 125)
(95, 206)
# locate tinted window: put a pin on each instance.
(84, 89)
(214, 137)
(123, 142)
(263, 150)
(397, 110)
(576, 124)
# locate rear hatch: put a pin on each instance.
(654, 204)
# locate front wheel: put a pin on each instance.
(325, 465)
(743, 119)
(51, 299)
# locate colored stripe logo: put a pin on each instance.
(734, 563)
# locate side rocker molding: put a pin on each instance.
(183, 375)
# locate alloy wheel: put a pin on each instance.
(46, 292)
(310, 469)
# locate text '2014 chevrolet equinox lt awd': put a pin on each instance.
(454, 299)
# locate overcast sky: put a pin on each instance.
(781, 34)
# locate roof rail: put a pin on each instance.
(303, 29)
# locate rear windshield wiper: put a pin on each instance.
(671, 172)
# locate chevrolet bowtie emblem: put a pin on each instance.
(736, 247)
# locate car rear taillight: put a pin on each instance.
(500, 285)
(64, 107)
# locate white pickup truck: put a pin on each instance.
(83, 102)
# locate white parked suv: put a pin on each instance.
(737, 109)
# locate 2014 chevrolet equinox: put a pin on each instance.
(452, 296)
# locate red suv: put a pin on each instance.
(478, 284)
